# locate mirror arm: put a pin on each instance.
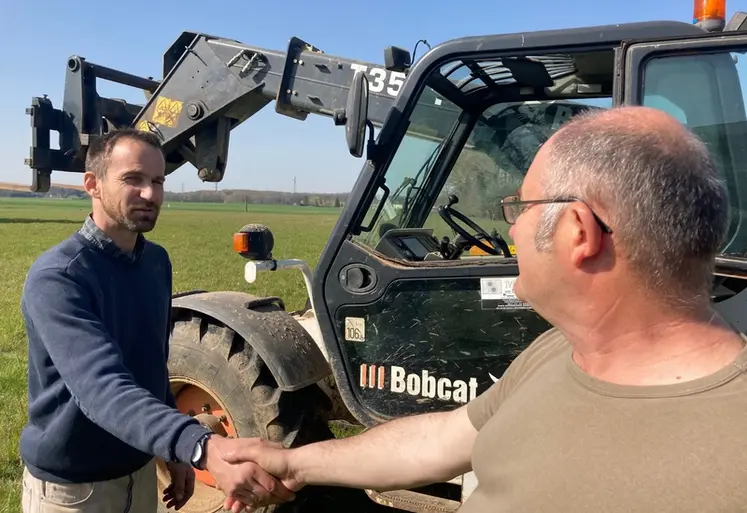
(372, 149)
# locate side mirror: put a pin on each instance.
(397, 59)
(356, 114)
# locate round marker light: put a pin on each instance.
(254, 242)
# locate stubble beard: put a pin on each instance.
(134, 220)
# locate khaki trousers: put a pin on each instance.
(135, 493)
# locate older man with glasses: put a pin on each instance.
(636, 400)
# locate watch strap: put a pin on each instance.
(198, 455)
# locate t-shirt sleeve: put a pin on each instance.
(483, 407)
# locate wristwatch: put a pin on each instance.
(198, 453)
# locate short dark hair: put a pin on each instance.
(659, 186)
(100, 149)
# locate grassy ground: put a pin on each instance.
(199, 240)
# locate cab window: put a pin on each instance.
(497, 155)
(470, 140)
(705, 92)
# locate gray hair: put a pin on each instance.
(658, 187)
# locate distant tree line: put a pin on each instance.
(207, 196)
(260, 197)
(54, 192)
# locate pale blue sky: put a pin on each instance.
(269, 149)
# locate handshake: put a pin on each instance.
(251, 472)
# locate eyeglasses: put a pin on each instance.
(513, 207)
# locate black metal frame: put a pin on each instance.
(210, 86)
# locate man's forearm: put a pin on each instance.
(403, 453)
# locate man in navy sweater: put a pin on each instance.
(97, 313)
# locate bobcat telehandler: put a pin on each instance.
(411, 307)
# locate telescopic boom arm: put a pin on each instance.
(210, 86)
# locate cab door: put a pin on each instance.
(702, 82)
(408, 331)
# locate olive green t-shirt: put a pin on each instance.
(553, 439)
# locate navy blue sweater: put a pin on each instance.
(97, 321)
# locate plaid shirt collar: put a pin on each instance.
(97, 237)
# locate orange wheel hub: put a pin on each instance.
(197, 402)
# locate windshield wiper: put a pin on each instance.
(426, 166)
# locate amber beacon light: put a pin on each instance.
(709, 14)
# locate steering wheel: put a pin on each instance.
(448, 214)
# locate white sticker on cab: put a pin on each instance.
(497, 288)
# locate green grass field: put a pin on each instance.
(199, 240)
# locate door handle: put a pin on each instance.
(358, 278)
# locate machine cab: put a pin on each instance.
(414, 291)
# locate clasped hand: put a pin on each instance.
(251, 472)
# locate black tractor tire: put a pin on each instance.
(213, 357)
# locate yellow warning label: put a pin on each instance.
(475, 251)
(143, 126)
(167, 111)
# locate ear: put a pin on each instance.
(584, 235)
(91, 184)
